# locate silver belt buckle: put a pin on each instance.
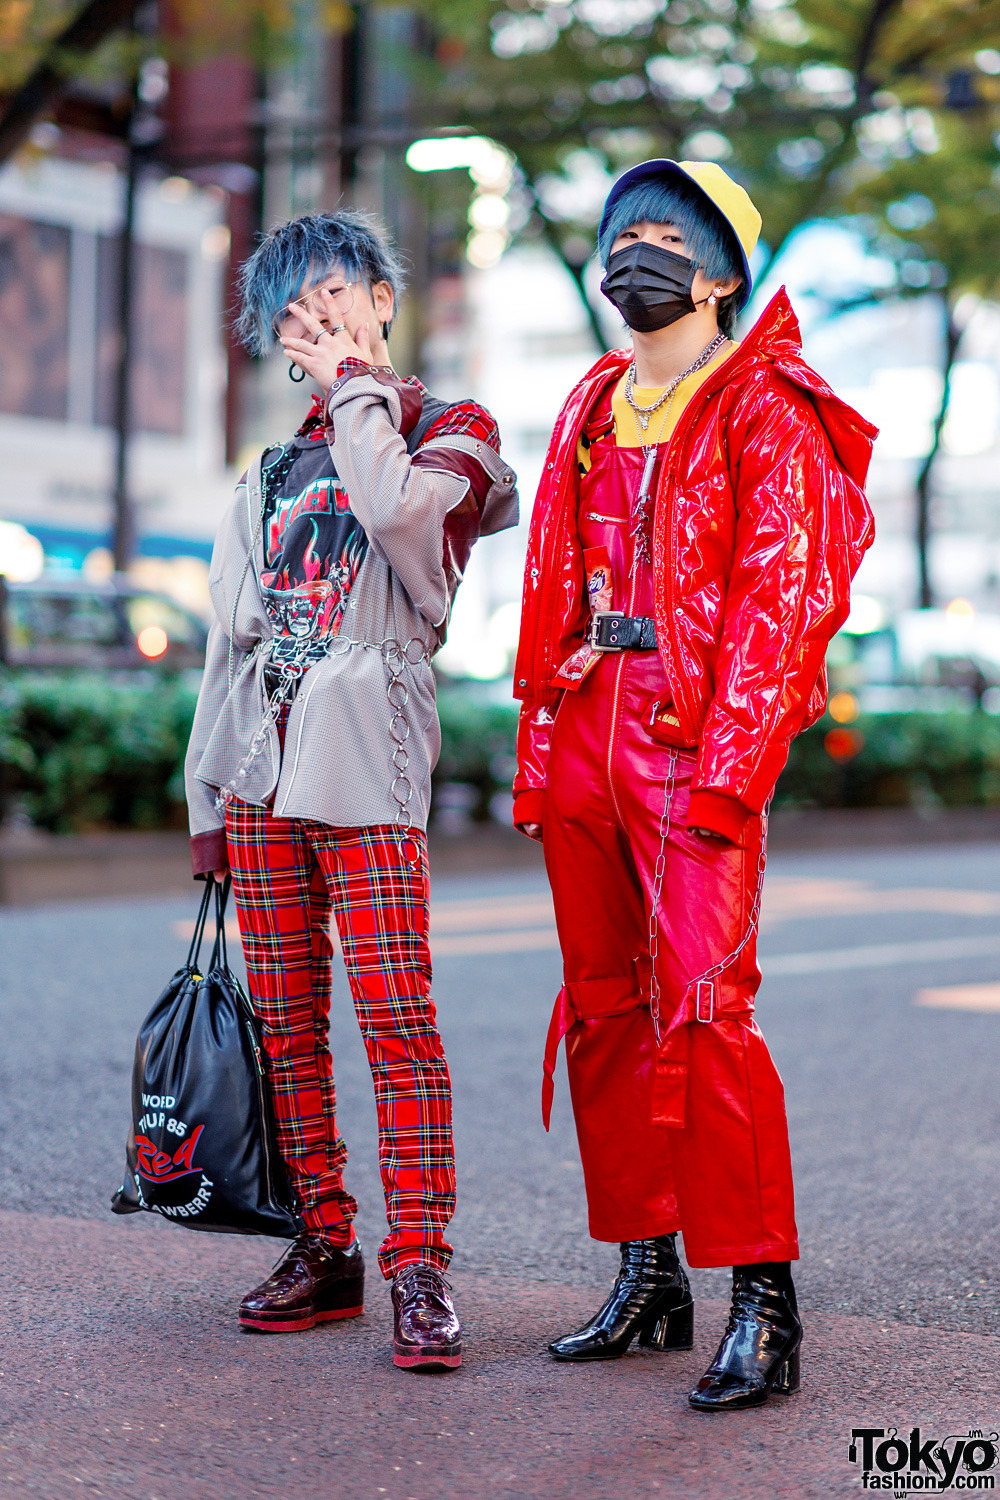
(701, 988)
(595, 625)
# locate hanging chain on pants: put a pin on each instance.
(717, 969)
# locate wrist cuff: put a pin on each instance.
(529, 805)
(208, 852)
(718, 813)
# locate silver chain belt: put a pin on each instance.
(397, 656)
(712, 973)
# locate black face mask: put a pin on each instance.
(650, 286)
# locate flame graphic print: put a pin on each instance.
(314, 548)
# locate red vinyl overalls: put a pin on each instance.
(688, 1133)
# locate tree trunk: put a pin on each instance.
(576, 271)
(922, 488)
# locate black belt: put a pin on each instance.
(611, 632)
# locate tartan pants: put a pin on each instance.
(288, 873)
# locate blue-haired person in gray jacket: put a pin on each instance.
(308, 772)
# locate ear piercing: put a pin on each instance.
(714, 296)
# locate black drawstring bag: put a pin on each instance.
(201, 1150)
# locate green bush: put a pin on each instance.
(85, 751)
(906, 759)
(478, 738)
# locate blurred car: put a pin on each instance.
(71, 622)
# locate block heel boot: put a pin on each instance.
(759, 1353)
(650, 1298)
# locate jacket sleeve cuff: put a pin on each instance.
(718, 813)
(208, 852)
(529, 805)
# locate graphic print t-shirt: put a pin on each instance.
(313, 546)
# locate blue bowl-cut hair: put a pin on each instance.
(310, 247)
(709, 239)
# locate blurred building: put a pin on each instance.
(233, 150)
(59, 228)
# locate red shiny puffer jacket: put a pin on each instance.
(760, 524)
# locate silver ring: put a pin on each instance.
(339, 329)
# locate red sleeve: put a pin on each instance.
(529, 806)
(803, 525)
(465, 419)
(534, 741)
(462, 524)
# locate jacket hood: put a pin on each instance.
(777, 338)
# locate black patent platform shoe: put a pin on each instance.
(651, 1297)
(759, 1353)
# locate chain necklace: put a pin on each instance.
(642, 544)
(643, 413)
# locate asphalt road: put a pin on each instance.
(115, 1326)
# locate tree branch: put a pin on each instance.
(38, 93)
(922, 487)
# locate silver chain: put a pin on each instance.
(291, 672)
(643, 413)
(654, 910)
(397, 656)
(282, 453)
(719, 968)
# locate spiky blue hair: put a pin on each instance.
(312, 247)
(707, 236)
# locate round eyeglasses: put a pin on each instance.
(341, 293)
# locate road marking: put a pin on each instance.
(985, 997)
(488, 913)
(787, 899)
(524, 923)
(532, 940)
(185, 930)
(877, 956)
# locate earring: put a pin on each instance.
(714, 296)
(296, 374)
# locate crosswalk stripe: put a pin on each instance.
(877, 956)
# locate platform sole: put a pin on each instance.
(447, 1357)
(298, 1323)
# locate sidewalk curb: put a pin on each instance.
(38, 867)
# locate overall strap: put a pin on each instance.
(433, 409)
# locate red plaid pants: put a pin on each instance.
(288, 873)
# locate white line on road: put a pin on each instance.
(877, 956)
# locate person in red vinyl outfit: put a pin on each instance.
(699, 520)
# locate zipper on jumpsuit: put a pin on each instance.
(648, 470)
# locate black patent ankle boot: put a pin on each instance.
(651, 1297)
(759, 1353)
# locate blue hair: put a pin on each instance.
(310, 247)
(709, 239)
